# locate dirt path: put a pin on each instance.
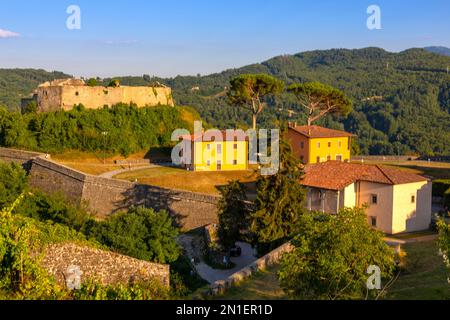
(113, 173)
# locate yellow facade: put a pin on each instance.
(220, 155)
(325, 149)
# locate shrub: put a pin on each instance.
(150, 290)
(440, 187)
(13, 181)
(141, 233)
(331, 257)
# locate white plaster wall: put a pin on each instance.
(409, 216)
(383, 209)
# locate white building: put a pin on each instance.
(397, 201)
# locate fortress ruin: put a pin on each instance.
(65, 94)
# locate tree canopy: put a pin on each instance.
(320, 99)
(332, 255)
(250, 90)
(280, 203)
(233, 214)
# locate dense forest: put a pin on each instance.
(122, 129)
(401, 101)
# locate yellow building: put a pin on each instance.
(314, 144)
(218, 152)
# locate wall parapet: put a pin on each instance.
(105, 196)
(19, 156)
(262, 263)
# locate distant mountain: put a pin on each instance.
(16, 84)
(439, 50)
(412, 116)
(401, 100)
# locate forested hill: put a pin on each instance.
(16, 84)
(439, 50)
(401, 100)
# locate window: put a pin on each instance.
(318, 144)
(318, 160)
(77, 93)
(219, 165)
(208, 147)
(338, 157)
(413, 199)
(328, 158)
(219, 149)
(208, 163)
(302, 158)
(373, 221)
(339, 143)
(329, 144)
(235, 146)
(374, 199)
(302, 145)
(234, 162)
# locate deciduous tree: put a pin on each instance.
(331, 257)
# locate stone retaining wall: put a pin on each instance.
(107, 268)
(105, 196)
(268, 260)
(23, 158)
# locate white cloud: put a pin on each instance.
(8, 34)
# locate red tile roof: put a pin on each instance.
(335, 175)
(211, 136)
(320, 132)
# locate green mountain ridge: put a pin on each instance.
(439, 50)
(401, 100)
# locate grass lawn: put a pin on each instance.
(175, 178)
(437, 170)
(261, 286)
(94, 163)
(424, 277)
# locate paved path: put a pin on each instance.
(113, 173)
(209, 274)
(393, 240)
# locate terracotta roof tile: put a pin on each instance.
(320, 132)
(209, 136)
(335, 175)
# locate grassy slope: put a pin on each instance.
(424, 278)
(204, 182)
(262, 286)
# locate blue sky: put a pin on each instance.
(171, 37)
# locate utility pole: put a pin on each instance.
(104, 134)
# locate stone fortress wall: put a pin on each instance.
(104, 267)
(65, 94)
(104, 196)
